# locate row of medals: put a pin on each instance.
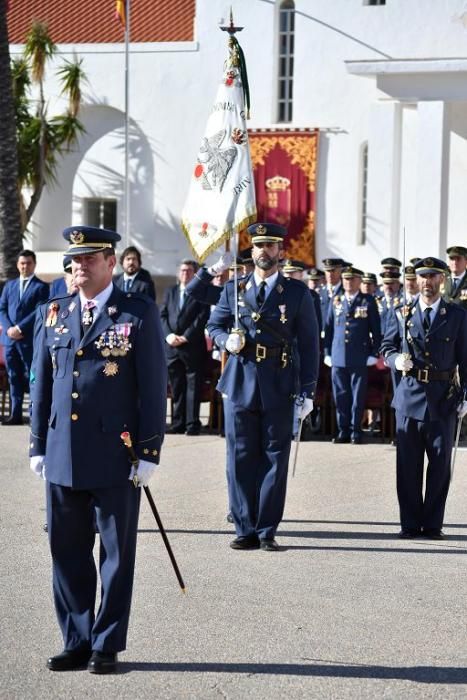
(112, 344)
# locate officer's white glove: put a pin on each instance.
(327, 360)
(144, 472)
(305, 408)
(36, 464)
(222, 264)
(462, 409)
(370, 361)
(234, 343)
(169, 339)
(403, 363)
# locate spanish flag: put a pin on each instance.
(120, 12)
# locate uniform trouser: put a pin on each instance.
(71, 518)
(186, 394)
(414, 439)
(18, 359)
(258, 449)
(349, 386)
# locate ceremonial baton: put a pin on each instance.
(456, 443)
(126, 437)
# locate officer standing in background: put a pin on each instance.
(333, 286)
(369, 283)
(426, 342)
(18, 303)
(456, 286)
(296, 269)
(352, 336)
(63, 285)
(99, 371)
(134, 277)
(259, 383)
(411, 287)
(390, 296)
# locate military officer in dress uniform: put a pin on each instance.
(259, 383)
(390, 297)
(456, 288)
(369, 283)
(426, 342)
(352, 337)
(99, 367)
(315, 279)
(332, 272)
(411, 287)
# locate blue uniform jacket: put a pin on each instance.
(289, 310)
(443, 348)
(325, 299)
(85, 395)
(386, 308)
(58, 287)
(21, 312)
(352, 331)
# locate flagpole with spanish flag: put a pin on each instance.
(122, 12)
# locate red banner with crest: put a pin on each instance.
(285, 170)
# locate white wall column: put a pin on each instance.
(432, 177)
(384, 167)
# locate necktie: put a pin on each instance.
(128, 282)
(87, 317)
(182, 297)
(22, 285)
(261, 296)
(426, 319)
(455, 282)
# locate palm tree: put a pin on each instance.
(10, 221)
(42, 140)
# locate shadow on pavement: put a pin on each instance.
(416, 674)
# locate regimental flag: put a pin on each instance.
(120, 12)
(221, 199)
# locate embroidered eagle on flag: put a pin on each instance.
(216, 162)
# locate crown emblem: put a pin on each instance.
(261, 230)
(278, 183)
(76, 237)
(429, 262)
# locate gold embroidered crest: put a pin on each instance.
(77, 237)
(110, 369)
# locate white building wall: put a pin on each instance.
(172, 89)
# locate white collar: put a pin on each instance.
(434, 307)
(270, 281)
(459, 278)
(99, 300)
(129, 277)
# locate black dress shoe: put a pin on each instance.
(193, 431)
(409, 533)
(249, 542)
(69, 660)
(174, 430)
(433, 534)
(341, 440)
(357, 440)
(13, 420)
(103, 662)
(269, 545)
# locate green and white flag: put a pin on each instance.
(221, 199)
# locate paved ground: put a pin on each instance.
(346, 610)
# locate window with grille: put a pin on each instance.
(374, 2)
(101, 213)
(286, 60)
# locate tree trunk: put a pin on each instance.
(10, 220)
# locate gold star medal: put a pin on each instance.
(110, 368)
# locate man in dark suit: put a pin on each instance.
(260, 382)
(183, 321)
(134, 278)
(352, 337)
(18, 303)
(426, 343)
(99, 371)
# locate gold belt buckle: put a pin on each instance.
(260, 352)
(423, 376)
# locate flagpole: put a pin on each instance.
(127, 123)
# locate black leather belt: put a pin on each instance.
(431, 375)
(260, 352)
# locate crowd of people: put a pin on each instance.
(101, 340)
